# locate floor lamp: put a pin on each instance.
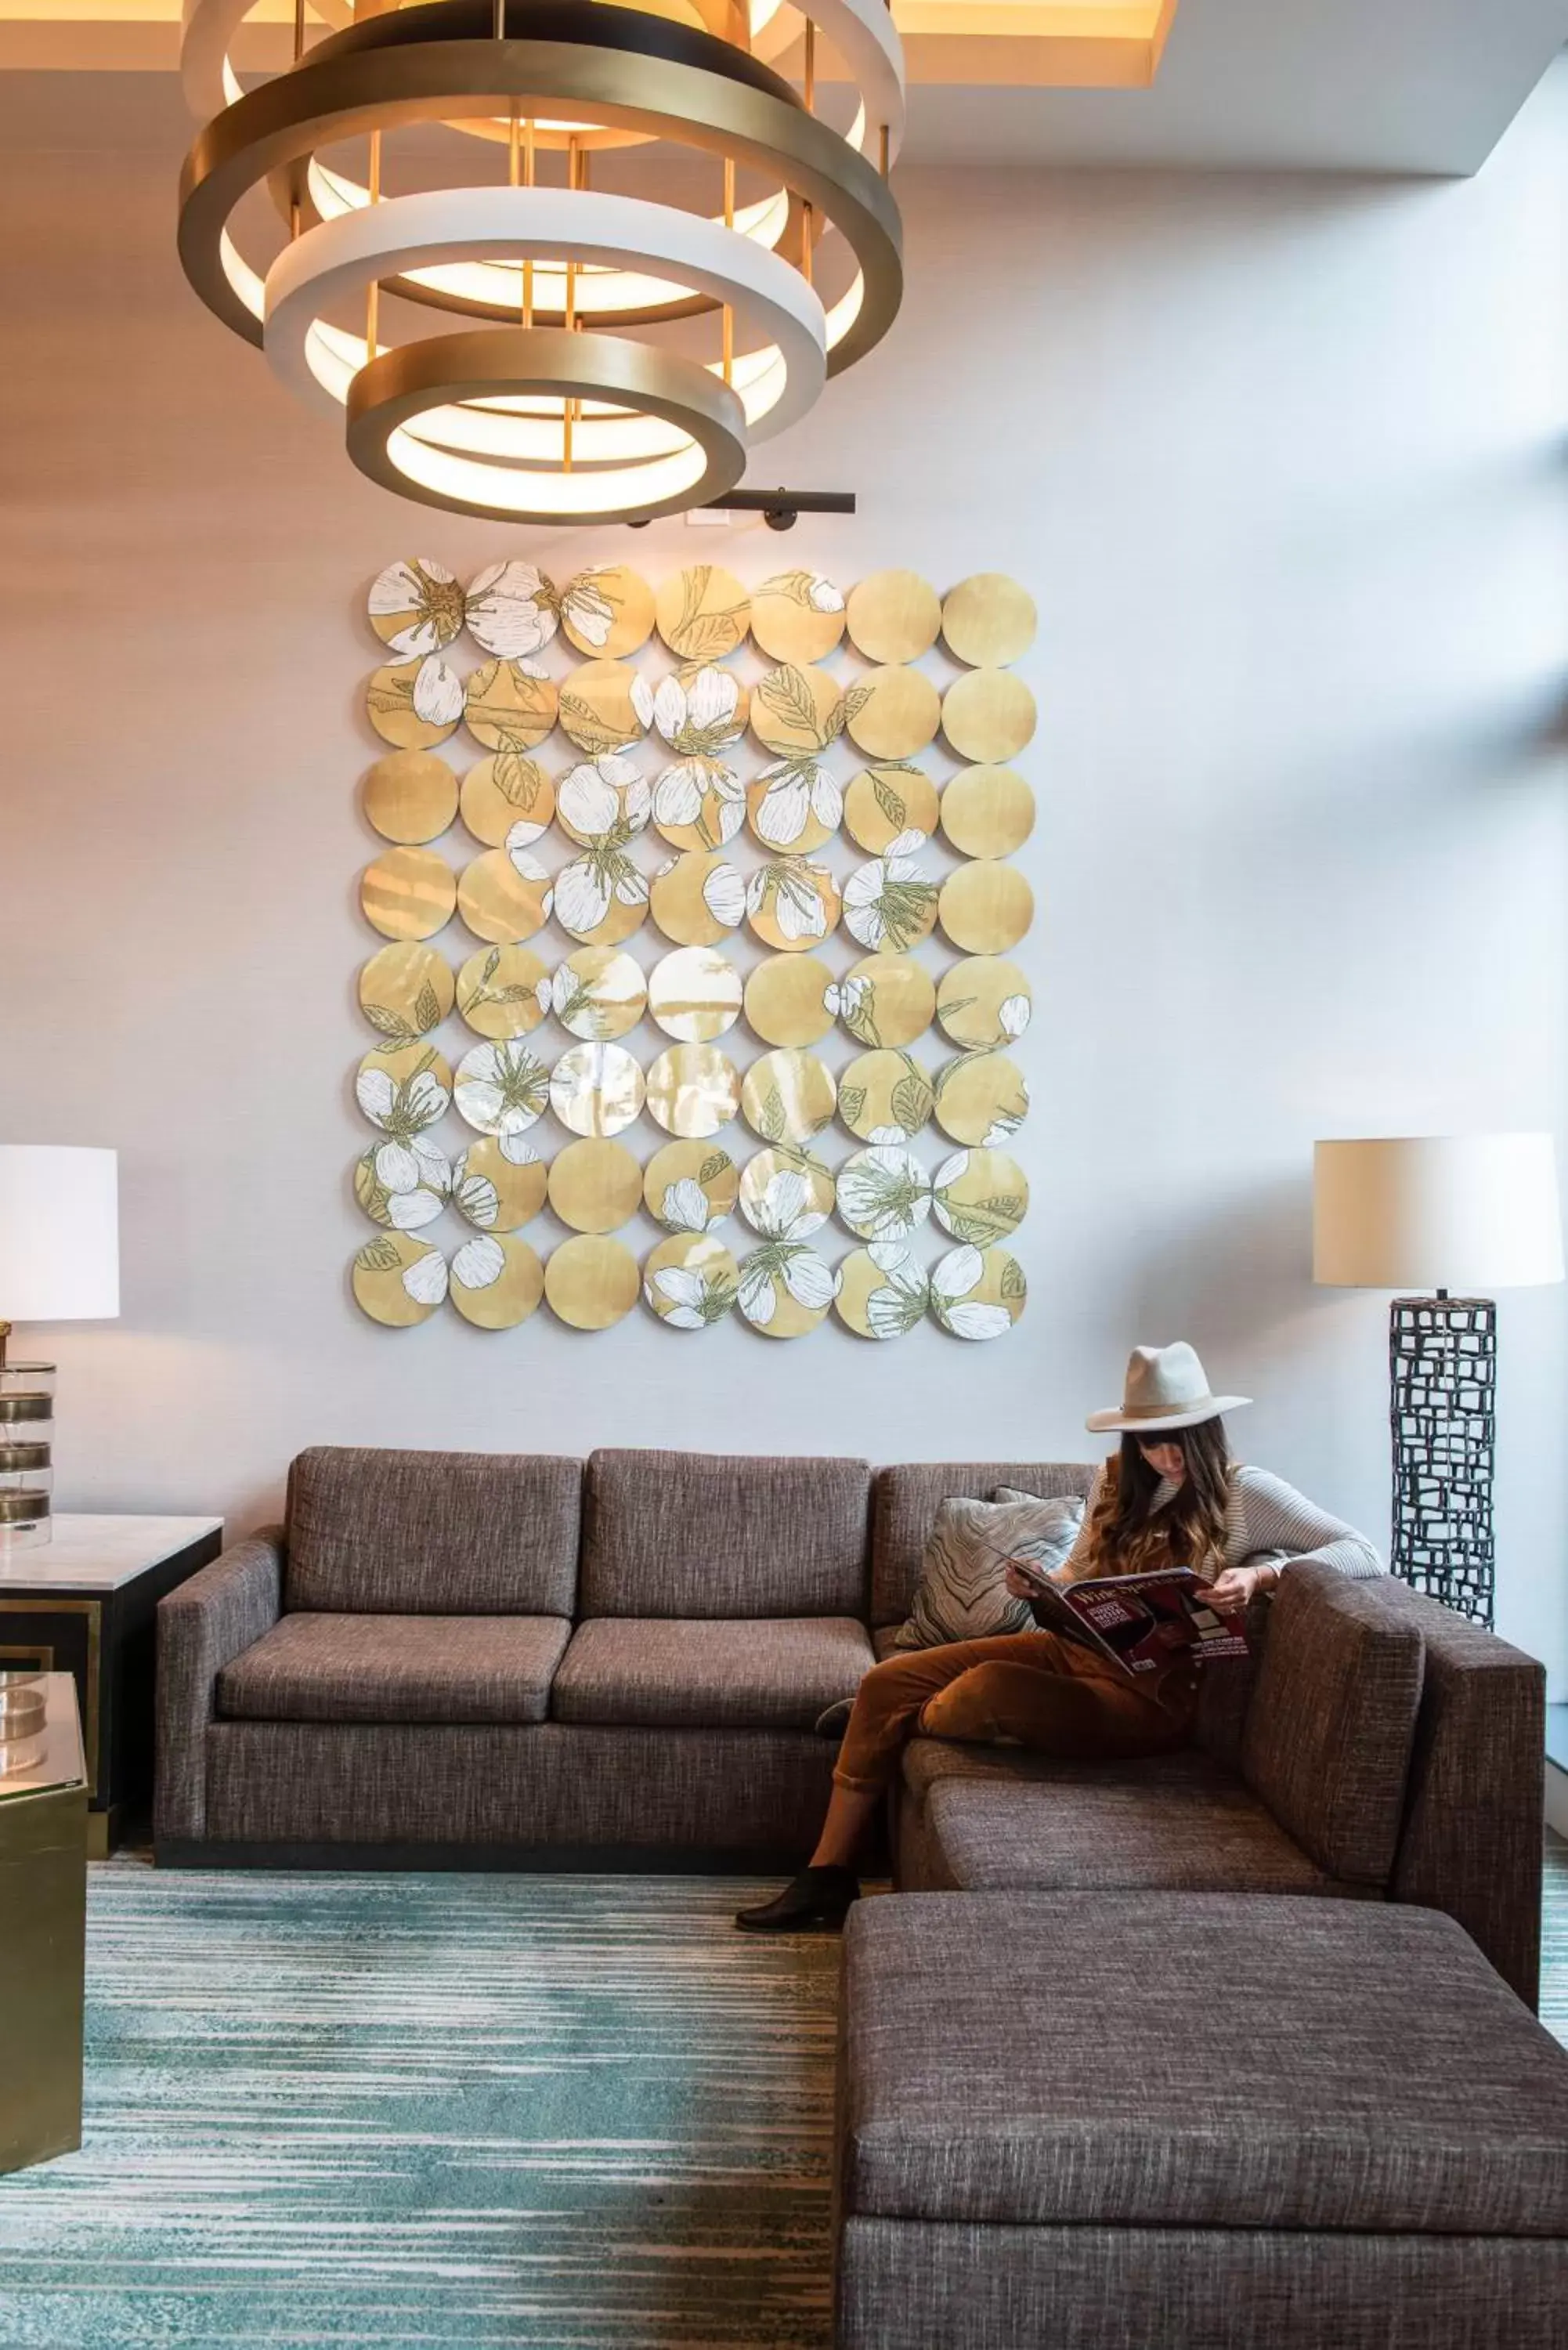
(1439, 1213)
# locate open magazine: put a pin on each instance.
(1139, 1620)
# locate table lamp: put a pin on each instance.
(1440, 1213)
(59, 1262)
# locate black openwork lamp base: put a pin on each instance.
(1443, 1360)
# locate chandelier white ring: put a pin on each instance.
(388, 397)
(778, 383)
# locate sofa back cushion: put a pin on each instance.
(1332, 1720)
(693, 1534)
(433, 1534)
(903, 1509)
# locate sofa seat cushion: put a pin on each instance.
(440, 1668)
(1193, 2061)
(758, 1674)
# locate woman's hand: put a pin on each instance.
(1229, 1593)
(1018, 1582)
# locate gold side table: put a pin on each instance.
(43, 1920)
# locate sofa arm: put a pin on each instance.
(202, 1626)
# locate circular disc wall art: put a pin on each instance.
(786, 1194)
(408, 893)
(882, 1292)
(787, 1000)
(703, 613)
(981, 1100)
(605, 706)
(792, 904)
(499, 1186)
(795, 805)
(410, 795)
(980, 1196)
(693, 1090)
(592, 1282)
(977, 1293)
(608, 609)
(595, 1186)
(893, 616)
(888, 904)
(884, 1193)
(983, 1002)
(788, 1097)
(894, 714)
(416, 607)
(885, 1097)
(988, 716)
(603, 800)
(596, 1089)
(688, 1187)
(698, 898)
(797, 710)
(797, 615)
(988, 812)
(600, 897)
(986, 907)
(887, 803)
(403, 1186)
(691, 1281)
(404, 1090)
(503, 992)
(695, 994)
(702, 709)
(510, 705)
(511, 609)
(413, 705)
(504, 896)
(495, 1282)
(988, 621)
(507, 800)
(886, 999)
(406, 991)
(398, 1279)
(699, 803)
(598, 993)
(501, 1090)
(785, 1289)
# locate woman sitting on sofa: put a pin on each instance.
(1173, 1496)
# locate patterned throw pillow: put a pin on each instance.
(961, 1595)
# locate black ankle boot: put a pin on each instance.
(818, 1898)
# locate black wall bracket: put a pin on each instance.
(779, 509)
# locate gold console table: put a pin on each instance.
(43, 1920)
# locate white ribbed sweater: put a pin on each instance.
(1266, 1517)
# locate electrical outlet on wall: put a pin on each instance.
(709, 517)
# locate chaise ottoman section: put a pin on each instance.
(1208, 2121)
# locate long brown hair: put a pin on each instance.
(1128, 1537)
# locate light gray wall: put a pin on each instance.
(1283, 461)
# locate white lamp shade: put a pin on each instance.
(1468, 1213)
(59, 1233)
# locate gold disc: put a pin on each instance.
(894, 714)
(884, 1193)
(977, 1292)
(698, 898)
(988, 716)
(986, 907)
(699, 803)
(410, 795)
(701, 709)
(988, 621)
(497, 1283)
(797, 615)
(693, 1090)
(595, 1186)
(510, 705)
(690, 1281)
(786, 1194)
(787, 1000)
(889, 906)
(885, 1097)
(592, 1282)
(886, 803)
(403, 1090)
(503, 992)
(607, 611)
(499, 1185)
(406, 991)
(887, 999)
(501, 1089)
(605, 706)
(507, 800)
(980, 1196)
(409, 893)
(416, 606)
(598, 993)
(980, 1099)
(983, 1002)
(988, 812)
(893, 616)
(413, 705)
(795, 805)
(398, 1279)
(882, 1292)
(601, 898)
(793, 904)
(796, 709)
(596, 1089)
(603, 797)
(788, 1097)
(403, 1186)
(703, 613)
(695, 994)
(504, 897)
(689, 1187)
(785, 1289)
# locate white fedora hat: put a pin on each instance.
(1165, 1389)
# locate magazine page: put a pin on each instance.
(1143, 1620)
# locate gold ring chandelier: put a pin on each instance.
(536, 181)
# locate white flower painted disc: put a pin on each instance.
(977, 1293)
(501, 1089)
(596, 1089)
(695, 994)
(600, 897)
(882, 1292)
(598, 993)
(604, 799)
(415, 607)
(983, 1001)
(884, 1096)
(495, 1282)
(402, 1186)
(793, 905)
(698, 898)
(699, 803)
(511, 610)
(690, 1187)
(980, 1099)
(885, 1000)
(504, 991)
(507, 800)
(786, 1194)
(980, 1196)
(795, 805)
(887, 802)
(787, 1000)
(408, 893)
(413, 705)
(785, 1289)
(701, 709)
(510, 705)
(788, 1097)
(403, 1090)
(884, 1193)
(592, 1282)
(596, 1186)
(890, 904)
(499, 1185)
(607, 611)
(690, 1281)
(797, 615)
(400, 1279)
(405, 990)
(693, 1090)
